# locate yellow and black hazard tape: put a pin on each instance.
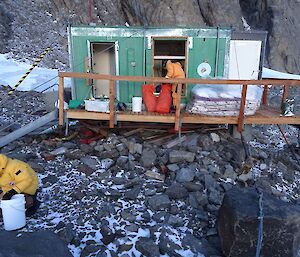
(29, 70)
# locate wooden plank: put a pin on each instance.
(132, 132)
(205, 119)
(111, 104)
(279, 82)
(175, 141)
(178, 101)
(61, 100)
(155, 175)
(82, 114)
(160, 139)
(265, 95)
(146, 118)
(242, 109)
(263, 116)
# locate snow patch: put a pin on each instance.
(12, 71)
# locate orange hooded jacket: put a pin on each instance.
(174, 70)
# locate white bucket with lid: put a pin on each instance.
(137, 103)
(13, 212)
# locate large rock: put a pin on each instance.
(148, 158)
(185, 175)
(177, 191)
(159, 202)
(92, 161)
(238, 225)
(147, 247)
(166, 245)
(36, 244)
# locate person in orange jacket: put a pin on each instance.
(174, 71)
(17, 177)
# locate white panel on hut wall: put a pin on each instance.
(244, 59)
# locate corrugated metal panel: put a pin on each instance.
(204, 50)
(131, 64)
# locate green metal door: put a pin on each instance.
(210, 50)
(131, 63)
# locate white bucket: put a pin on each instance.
(13, 212)
(137, 104)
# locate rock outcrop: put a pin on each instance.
(41, 243)
(238, 225)
(30, 26)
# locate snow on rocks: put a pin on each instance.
(99, 200)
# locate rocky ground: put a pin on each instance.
(19, 109)
(102, 198)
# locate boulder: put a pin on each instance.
(148, 158)
(167, 246)
(92, 161)
(107, 235)
(177, 191)
(147, 247)
(159, 202)
(185, 175)
(238, 225)
(36, 244)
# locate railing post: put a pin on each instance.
(111, 103)
(265, 95)
(285, 93)
(178, 101)
(242, 109)
(61, 100)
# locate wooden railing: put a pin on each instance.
(265, 83)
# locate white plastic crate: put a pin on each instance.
(96, 105)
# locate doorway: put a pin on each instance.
(164, 49)
(103, 61)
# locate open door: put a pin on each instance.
(103, 61)
(163, 49)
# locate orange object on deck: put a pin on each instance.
(164, 101)
(150, 100)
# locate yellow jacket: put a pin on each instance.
(17, 175)
(174, 70)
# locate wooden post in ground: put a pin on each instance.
(111, 103)
(177, 113)
(242, 109)
(61, 100)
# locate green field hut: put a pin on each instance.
(133, 51)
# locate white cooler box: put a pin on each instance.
(96, 105)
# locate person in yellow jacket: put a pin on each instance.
(18, 177)
(174, 71)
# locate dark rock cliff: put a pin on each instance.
(280, 18)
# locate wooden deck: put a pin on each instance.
(265, 115)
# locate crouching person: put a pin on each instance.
(17, 177)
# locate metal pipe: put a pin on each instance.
(217, 54)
